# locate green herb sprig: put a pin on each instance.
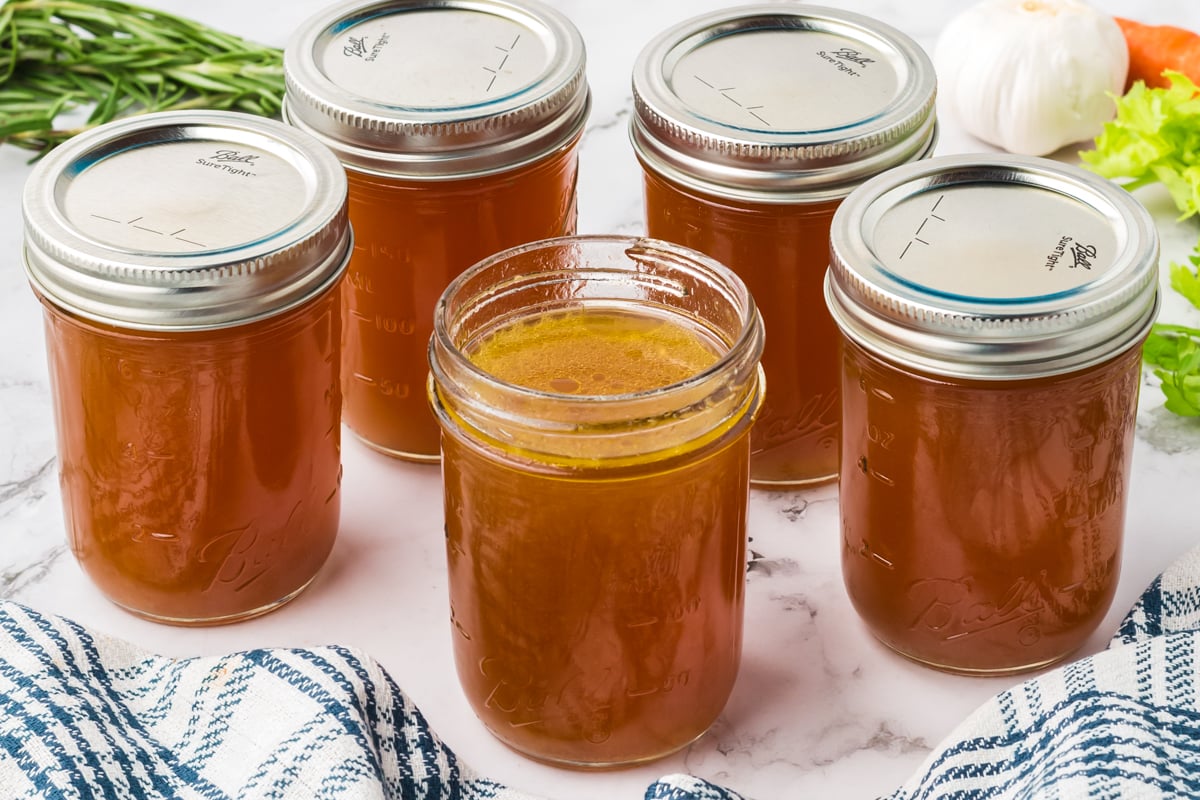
(1155, 138)
(120, 59)
(1174, 350)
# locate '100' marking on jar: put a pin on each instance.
(384, 323)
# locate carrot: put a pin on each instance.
(1154, 48)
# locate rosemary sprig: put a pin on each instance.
(118, 59)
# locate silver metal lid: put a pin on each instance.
(993, 267)
(185, 220)
(781, 103)
(431, 89)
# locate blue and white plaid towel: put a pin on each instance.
(86, 716)
(1123, 724)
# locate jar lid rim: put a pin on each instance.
(847, 96)
(185, 220)
(437, 88)
(993, 266)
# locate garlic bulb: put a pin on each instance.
(1031, 75)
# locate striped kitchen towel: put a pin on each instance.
(1123, 724)
(84, 716)
(88, 716)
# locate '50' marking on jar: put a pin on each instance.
(388, 388)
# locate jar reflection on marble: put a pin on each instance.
(596, 396)
(751, 125)
(993, 310)
(189, 266)
(458, 123)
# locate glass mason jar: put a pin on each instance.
(993, 309)
(751, 124)
(595, 396)
(188, 265)
(458, 124)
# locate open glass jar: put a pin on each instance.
(596, 396)
(189, 266)
(992, 310)
(458, 123)
(751, 125)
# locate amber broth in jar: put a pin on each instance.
(992, 311)
(751, 124)
(596, 616)
(411, 239)
(982, 523)
(596, 396)
(190, 265)
(458, 123)
(191, 462)
(781, 252)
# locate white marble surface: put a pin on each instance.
(820, 709)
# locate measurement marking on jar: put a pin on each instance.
(916, 238)
(386, 324)
(507, 53)
(867, 470)
(133, 224)
(386, 387)
(864, 549)
(880, 437)
(724, 92)
(141, 533)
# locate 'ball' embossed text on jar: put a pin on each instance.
(189, 266)
(596, 396)
(751, 125)
(458, 123)
(993, 309)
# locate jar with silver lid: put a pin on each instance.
(458, 123)
(751, 124)
(992, 311)
(188, 264)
